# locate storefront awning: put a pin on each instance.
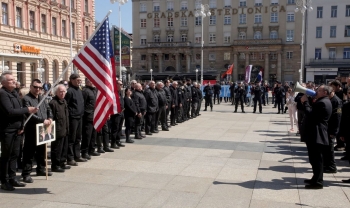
(16, 55)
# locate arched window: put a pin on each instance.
(257, 35)
(242, 35)
(273, 34)
(54, 71)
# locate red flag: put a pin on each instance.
(96, 61)
(229, 71)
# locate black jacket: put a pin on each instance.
(208, 90)
(140, 102)
(195, 96)
(217, 88)
(180, 96)
(334, 121)
(316, 121)
(174, 96)
(240, 93)
(345, 121)
(297, 99)
(162, 101)
(89, 95)
(11, 111)
(257, 92)
(280, 93)
(60, 114)
(168, 95)
(75, 102)
(43, 113)
(152, 100)
(130, 107)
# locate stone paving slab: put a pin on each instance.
(219, 159)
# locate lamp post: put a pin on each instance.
(120, 3)
(40, 71)
(151, 70)
(203, 11)
(196, 75)
(4, 68)
(303, 6)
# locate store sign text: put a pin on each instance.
(25, 49)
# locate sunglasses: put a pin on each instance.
(65, 84)
(37, 87)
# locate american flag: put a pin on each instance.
(96, 61)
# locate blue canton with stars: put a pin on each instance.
(102, 41)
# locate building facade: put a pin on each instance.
(328, 41)
(36, 34)
(265, 33)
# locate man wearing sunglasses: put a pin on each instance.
(30, 148)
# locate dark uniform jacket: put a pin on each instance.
(280, 93)
(162, 101)
(200, 95)
(316, 121)
(232, 89)
(180, 95)
(121, 103)
(75, 102)
(43, 113)
(174, 96)
(334, 121)
(345, 121)
(217, 88)
(60, 116)
(208, 90)
(257, 92)
(240, 92)
(89, 95)
(140, 102)
(195, 95)
(152, 100)
(297, 99)
(130, 107)
(168, 95)
(11, 111)
(189, 90)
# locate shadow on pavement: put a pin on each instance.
(29, 191)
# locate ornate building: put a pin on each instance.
(264, 33)
(36, 34)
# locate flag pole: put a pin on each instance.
(70, 63)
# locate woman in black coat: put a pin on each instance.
(129, 113)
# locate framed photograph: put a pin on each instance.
(45, 134)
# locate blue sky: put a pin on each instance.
(103, 6)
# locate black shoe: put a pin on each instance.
(114, 146)
(85, 156)
(119, 144)
(94, 154)
(346, 181)
(100, 150)
(243, 111)
(16, 183)
(172, 124)
(211, 109)
(278, 112)
(308, 181)
(260, 111)
(81, 159)
(42, 173)
(72, 163)
(65, 167)
(330, 171)
(57, 169)
(107, 149)
(314, 186)
(129, 141)
(205, 110)
(154, 132)
(122, 134)
(27, 179)
(138, 137)
(235, 111)
(149, 133)
(344, 158)
(165, 129)
(7, 187)
(253, 111)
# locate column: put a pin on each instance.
(279, 66)
(177, 62)
(13, 68)
(235, 69)
(27, 76)
(149, 61)
(160, 62)
(188, 63)
(267, 68)
(246, 59)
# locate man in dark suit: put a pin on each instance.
(317, 142)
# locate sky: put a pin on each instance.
(103, 6)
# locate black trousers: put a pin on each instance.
(173, 115)
(199, 106)
(188, 110)
(161, 116)
(256, 100)
(194, 107)
(280, 104)
(150, 119)
(89, 137)
(138, 123)
(208, 101)
(74, 138)
(32, 151)
(217, 96)
(129, 122)
(59, 149)
(329, 160)
(10, 143)
(102, 138)
(301, 115)
(116, 127)
(236, 103)
(316, 156)
(167, 111)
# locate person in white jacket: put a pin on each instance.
(292, 108)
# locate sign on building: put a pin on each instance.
(125, 45)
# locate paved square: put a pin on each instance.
(219, 159)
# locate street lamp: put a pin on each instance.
(4, 68)
(303, 6)
(120, 2)
(151, 70)
(196, 75)
(40, 71)
(203, 11)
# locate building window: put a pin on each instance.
(184, 5)
(143, 57)
(242, 19)
(274, 17)
(289, 54)
(257, 35)
(290, 1)
(4, 11)
(273, 56)
(212, 56)
(346, 53)
(212, 4)
(318, 53)
(347, 31)
(184, 38)
(143, 40)
(319, 12)
(290, 17)
(198, 57)
(242, 35)
(198, 38)
(212, 38)
(318, 32)
(64, 29)
(253, 55)
(166, 57)
(227, 56)
(19, 17)
(290, 35)
(86, 32)
(257, 18)
(184, 21)
(273, 34)
(156, 22)
(63, 2)
(156, 38)
(334, 11)
(212, 20)
(143, 23)
(258, 2)
(332, 53)
(198, 21)
(170, 5)
(72, 4)
(170, 38)
(54, 26)
(170, 21)
(274, 2)
(261, 56)
(86, 4)
(31, 20)
(43, 23)
(242, 3)
(143, 7)
(227, 3)
(333, 31)
(197, 4)
(73, 30)
(227, 37)
(227, 20)
(156, 7)
(347, 11)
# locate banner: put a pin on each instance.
(225, 91)
(248, 72)
(125, 48)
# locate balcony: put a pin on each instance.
(247, 42)
(168, 44)
(329, 61)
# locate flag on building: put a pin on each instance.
(229, 71)
(248, 72)
(96, 61)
